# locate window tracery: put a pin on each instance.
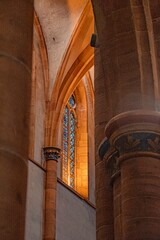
(69, 138)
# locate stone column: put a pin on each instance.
(16, 27)
(103, 188)
(128, 41)
(135, 136)
(51, 155)
(115, 182)
(116, 179)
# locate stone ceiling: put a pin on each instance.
(59, 20)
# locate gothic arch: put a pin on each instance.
(40, 83)
(43, 52)
(77, 60)
(72, 69)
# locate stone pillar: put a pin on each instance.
(51, 155)
(135, 171)
(103, 188)
(16, 27)
(128, 41)
(115, 182)
(116, 179)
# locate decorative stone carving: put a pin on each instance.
(110, 154)
(138, 142)
(132, 142)
(112, 162)
(104, 148)
(128, 143)
(52, 153)
(130, 135)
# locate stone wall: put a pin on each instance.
(75, 217)
(35, 203)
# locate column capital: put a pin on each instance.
(52, 153)
(110, 154)
(128, 134)
(138, 120)
(138, 141)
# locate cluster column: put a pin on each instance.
(134, 168)
(127, 102)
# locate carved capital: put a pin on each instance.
(112, 162)
(138, 142)
(104, 148)
(128, 134)
(51, 153)
(110, 154)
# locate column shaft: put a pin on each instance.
(16, 26)
(51, 154)
(117, 208)
(128, 40)
(136, 192)
(126, 55)
(140, 198)
(104, 195)
(50, 200)
(104, 203)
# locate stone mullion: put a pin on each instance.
(64, 177)
(69, 145)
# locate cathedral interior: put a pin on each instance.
(80, 120)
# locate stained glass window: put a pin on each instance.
(65, 144)
(69, 127)
(71, 101)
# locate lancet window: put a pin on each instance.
(69, 142)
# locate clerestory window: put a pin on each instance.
(69, 142)
(75, 141)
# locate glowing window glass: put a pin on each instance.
(71, 101)
(69, 127)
